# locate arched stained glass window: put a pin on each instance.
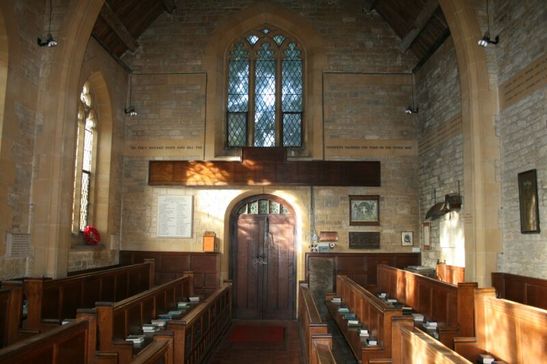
(263, 207)
(85, 159)
(265, 91)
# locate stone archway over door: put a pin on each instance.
(263, 260)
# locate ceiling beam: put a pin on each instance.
(419, 24)
(115, 23)
(169, 6)
(369, 4)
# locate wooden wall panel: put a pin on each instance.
(528, 290)
(171, 265)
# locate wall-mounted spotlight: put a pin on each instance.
(130, 110)
(411, 110)
(48, 40)
(485, 40)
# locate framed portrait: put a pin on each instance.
(364, 210)
(407, 238)
(528, 202)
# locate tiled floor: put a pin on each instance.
(287, 352)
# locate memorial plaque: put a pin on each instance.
(364, 240)
(174, 216)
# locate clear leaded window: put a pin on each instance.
(263, 206)
(85, 151)
(265, 91)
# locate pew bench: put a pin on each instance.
(312, 329)
(451, 306)
(117, 320)
(509, 331)
(412, 346)
(370, 311)
(11, 300)
(50, 301)
(528, 290)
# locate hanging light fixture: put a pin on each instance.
(130, 109)
(486, 40)
(48, 40)
(412, 109)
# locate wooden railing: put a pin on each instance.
(52, 300)
(11, 301)
(509, 331)
(411, 346)
(528, 290)
(450, 273)
(313, 330)
(370, 311)
(196, 334)
(450, 305)
(117, 320)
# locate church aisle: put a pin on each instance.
(265, 342)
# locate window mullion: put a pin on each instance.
(251, 113)
(278, 102)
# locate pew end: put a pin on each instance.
(467, 347)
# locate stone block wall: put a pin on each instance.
(440, 139)
(522, 128)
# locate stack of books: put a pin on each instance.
(183, 304)
(363, 333)
(430, 324)
(382, 295)
(150, 328)
(407, 310)
(391, 300)
(353, 323)
(349, 316)
(159, 322)
(371, 341)
(336, 300)
(418, 317)
(194, 299)
(135, 339)
(343, 309)
(486, 359)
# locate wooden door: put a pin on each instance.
(264, 267)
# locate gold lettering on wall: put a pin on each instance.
(348, 148)
(439, 135)
(524, 83)
(169, 148)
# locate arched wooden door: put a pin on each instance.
(262, 256)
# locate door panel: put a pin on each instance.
(264, 272)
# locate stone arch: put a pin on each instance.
(481, 148)
(51, 236)
(4, 62)
(225, 34)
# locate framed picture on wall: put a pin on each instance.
(364, 210)
(528, 202)
(407, 238)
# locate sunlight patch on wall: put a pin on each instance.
(452, 240)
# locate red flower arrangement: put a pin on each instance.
(91, 235)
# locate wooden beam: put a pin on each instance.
(264, 173)
(419, 24)
(115, 23)
(169, 6)
(370, 4)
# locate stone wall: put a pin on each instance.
(522, 128)
(440, 139)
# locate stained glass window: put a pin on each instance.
(85, 151)
(265, 91)
(263, 207)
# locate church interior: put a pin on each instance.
(302, 181)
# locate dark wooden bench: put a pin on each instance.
(509, 331)
(528, 290)
(450, 273)
(11, 300)
(412, 346)
(370, 311)
(117, 320)
(313, 330)
(197, 333)
(52, 300)
(448, 304)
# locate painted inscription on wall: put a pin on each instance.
(174, 216)
(169, 148)
(348, 148)
(524, 83)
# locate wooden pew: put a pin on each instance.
(450, 305)
(412, 346)
(450, 273)
(11, 301)
(196, 334)
(509, 331)
(52, 300)
(117, 320)
(371, 311)
(528, 290)
(313, 330)
(70, 343)
(322, 350)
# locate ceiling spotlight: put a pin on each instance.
(131, 111)
(485, 40)
(411, 110)
(49, 41)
